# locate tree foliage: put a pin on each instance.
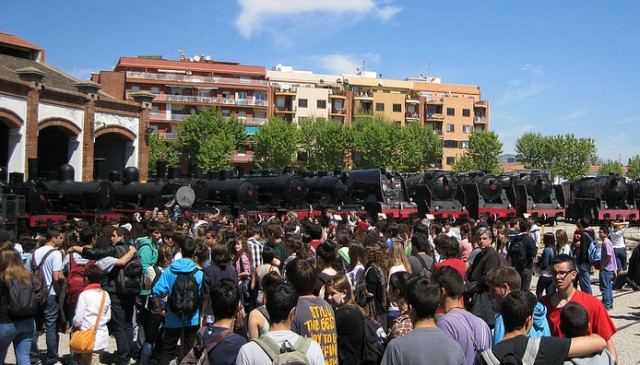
(533, 151)
(483, 152)
(374, 139)
(419, 148)
(325, 142)
(161, 149)
(633, 167)
(572, 156)
(610, 167)
(276, 144)
(211, 138)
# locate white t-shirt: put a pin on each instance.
(617, 238)
(252, 354)
(51, 265)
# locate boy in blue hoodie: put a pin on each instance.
(501, 282)
(175, 328)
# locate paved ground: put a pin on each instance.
(625, 315)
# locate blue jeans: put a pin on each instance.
(121, 326)
(584, 277)
(20, 333)
(606, 288)
(51, 310)
(621, 259)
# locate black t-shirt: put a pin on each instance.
(552, 351)
(350, 328)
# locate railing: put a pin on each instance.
(197, 79)
(413, 115)
(168, 136)
(480, 120)
(482, 103)
(285, 109)
(207, 100)
(253, 121)
(339, 111)
(163, 116)
(412, 101)
(435, 116)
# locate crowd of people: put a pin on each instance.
(174, 286)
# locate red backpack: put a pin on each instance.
(75, 281)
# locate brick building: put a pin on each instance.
(52, 116)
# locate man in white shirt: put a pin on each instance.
(50, 259)
(281, 306)
(535, 231)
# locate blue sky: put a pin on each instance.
(553, 67)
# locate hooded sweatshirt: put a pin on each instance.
(148, 252)
(540, 325)
(165, 284)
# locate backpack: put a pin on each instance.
(40, 286)
(129, 277)
(360, 291)
(426, 271)
(285, 354)
(75, 281)
(529, 357)
(517, 252)
(374, 340)
(199, 354)
(595, 253)
(185, 295)
(22, 299)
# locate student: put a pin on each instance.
(574, 322)
(501, 282)
(517, 311)
(471, 332)
(282, 299)
(426, 341)
(564, 273)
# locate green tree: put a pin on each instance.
(325, 142)
(211, 138)
(276, 144)
(572, 156)
(533, 151)
(484, 149)
(463, 163)
(161, 149)
(419, 148)
(375, 140)
(610, 167)
(633, 167)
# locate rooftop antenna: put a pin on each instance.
(181, 53)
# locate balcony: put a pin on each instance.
(482, 104)
(436, 117)
(171, 117)
(168, 136)
(412, 115)
(289, 91)
(197, 79)
(285, 110)
(185, 99)
(241, 158)
(480, 120)
(253, 121)
(412, 101)
(338, 111)
(363, 96)
(337, 95)
(435, 101)
(364, 112)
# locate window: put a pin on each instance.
(322, 104)
(260, 96)
(203, 93)
(450, 144)
(464, 144)
(155, 90)
(466, 112)
(451, 128)
(135, 88)
(242, 95)
(450, 160)
(397, 108)
(451, 112)
(302, 103)
(379, 107)
(466, 129)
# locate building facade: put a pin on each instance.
(58, 119)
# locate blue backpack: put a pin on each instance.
(595, 252)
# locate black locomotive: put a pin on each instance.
(436, 193)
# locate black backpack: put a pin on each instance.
(426, 270)
(22, 299)
(199, 354)
(517, 252)
(129, 277)
(185, 295)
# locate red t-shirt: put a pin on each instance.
(599, 320)
(457, 264)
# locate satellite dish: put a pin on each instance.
(185, 196)
(208, 58)
(196, 58)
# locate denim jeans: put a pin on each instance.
(20, 333)
(584, 277)
(621, 259)
(121, 326)
(605, 278)
(50, 313)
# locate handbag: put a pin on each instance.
(82, 342)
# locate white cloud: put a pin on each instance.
(346, 64)
(258, 16)
(523, 87)
(575, 115)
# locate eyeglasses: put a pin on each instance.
(561, 274)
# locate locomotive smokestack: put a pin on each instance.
(174, 171)
(240, 171)
(193, 169)
(33, 168)
(66, 173)
(115, 176)
(4, 173)
(131, 174)
(16, 178)
(98, 164)
(161, 169)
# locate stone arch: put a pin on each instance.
(10, 119)
(68, 126)
(122, 131)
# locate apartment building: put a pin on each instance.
(185, 86)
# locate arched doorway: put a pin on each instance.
(53, 151)
(116, 149)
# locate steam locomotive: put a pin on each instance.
(533, 193)
(485, 194)
(436, 193)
